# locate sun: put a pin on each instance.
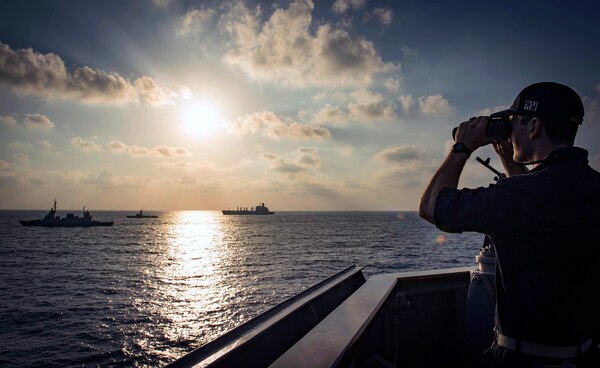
(200, 118)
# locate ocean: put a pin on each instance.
(145, 291)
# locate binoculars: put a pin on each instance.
(497, 126)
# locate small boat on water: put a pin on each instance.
(261, 209)
(51, 220)
(141, 215)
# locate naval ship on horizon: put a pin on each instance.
(51, 220)
(261, 209)
(141, 215)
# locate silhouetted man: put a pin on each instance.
(543, 224)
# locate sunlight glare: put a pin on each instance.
(200, 119)
(190, 277)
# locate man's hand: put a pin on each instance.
(472, 133)
(504, 149)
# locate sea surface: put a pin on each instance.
(145, 291)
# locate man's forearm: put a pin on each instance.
(447, 176)
(504, 150)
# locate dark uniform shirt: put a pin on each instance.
(545, 226)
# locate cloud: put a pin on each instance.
(188, 180)
(7, 167)
(161, 3)
(318, 190)
(269, 123)
(86, 146)
(434, 105)
(399, 154)
(7, 120)
(299, 161)
(488, 111)
(331, 114)
(392, 84)
(384, 15)
(409, 176)
(326, 95)
(27, 72)
(409, 52)
(116, 146)
(195, 165)
(597, 87)
(172, 151)
(351, 184)
(37, 181)
(285, 49)
(308, 149)
(47, 146)
(9, 174)
(137, 151)
(132, 150)
(152, 94)
(37, 121)
(280, 165)
(342, 6)
(365, 107)
(370, 106)
(30, 121)
(195, 21)
(92, 86)
(408, 169)
(21, 158)
(16, 177)
(591, 108)
(308, 157)
(102, 179)
(345, 150)
(407, 102)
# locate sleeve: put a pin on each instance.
(450, 214)
(496, 209)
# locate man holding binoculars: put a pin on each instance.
(542, 223)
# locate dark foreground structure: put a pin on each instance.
(438, 318)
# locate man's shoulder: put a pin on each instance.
(576, 172)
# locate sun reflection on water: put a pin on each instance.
(192, 280)
(194, 242)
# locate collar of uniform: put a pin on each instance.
(569, 153)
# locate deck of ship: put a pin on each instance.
(407, 319)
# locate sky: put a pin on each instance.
(302, 105)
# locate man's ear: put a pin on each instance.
(535, 127)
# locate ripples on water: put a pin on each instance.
(146, 291)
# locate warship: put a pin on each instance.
(141, 215)
(51, 220)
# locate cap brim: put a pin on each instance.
(503, 113)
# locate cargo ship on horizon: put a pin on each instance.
(261, 209)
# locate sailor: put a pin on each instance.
(543, 224)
